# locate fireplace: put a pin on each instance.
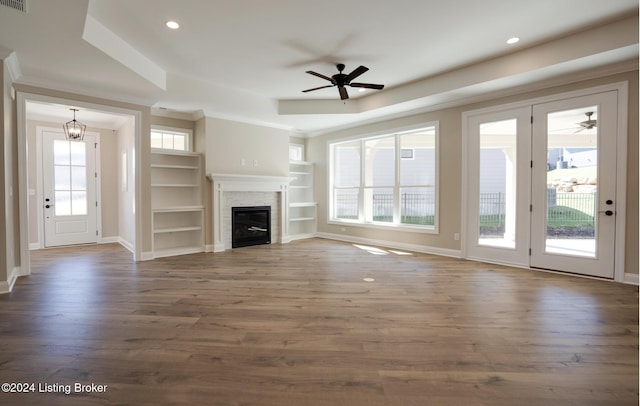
(229, 190)
(250, 226)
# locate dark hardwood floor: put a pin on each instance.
(296, 324)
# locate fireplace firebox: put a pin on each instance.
(250, 226)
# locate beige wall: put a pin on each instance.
(229, 142)
(450, 121)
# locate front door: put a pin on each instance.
(69, 187)
(574, 185)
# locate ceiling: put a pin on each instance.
(245, 60)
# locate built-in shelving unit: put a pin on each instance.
(302, 207)
(177, 203)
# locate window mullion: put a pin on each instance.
(396, 185)
(361, 195)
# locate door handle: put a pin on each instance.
(606, 212)
(46, 206)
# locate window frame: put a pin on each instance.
(173, 130)
(395, 224)
(300, 149)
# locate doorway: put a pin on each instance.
(542, 183)
(30, 203)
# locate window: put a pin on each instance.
(296, 152)
(167, 138)
(388, 180)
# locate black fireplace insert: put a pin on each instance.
(250, 226)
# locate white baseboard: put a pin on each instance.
(632, 279)
(7, 286)
(110, 240)
(146, 256)
(301, 236)
(208, 248)
(105, 240)
(126, 244)
(395, 245)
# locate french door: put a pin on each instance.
(541, 185)
(574, 185)
(498, 186)
(69, 190)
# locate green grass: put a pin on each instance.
(560, 216)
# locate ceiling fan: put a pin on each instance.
(588, 123)
(341, 80)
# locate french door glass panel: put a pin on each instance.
(497, 192)
(572, 186)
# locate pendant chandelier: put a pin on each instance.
(74, 130)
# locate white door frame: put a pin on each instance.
(621, 162)
(40, 183)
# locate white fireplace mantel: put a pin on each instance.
(224, 182)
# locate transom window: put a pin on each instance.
(165, 138)
(386, 180)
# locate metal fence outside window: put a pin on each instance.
(415, 208)
(565, 209)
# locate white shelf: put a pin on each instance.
(177, 203)
(302, 219)
(303, 204)
(177, 209)
(166, 166)
(176, 229)
(302, 208)
(173, 185)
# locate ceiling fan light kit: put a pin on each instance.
(341, 80)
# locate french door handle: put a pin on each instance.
(46, 206)
(606, 212)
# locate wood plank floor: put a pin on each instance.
(296, 324)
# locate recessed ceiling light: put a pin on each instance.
(369, 280)
(513, 40)
(172, 24)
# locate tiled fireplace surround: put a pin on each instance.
(248, 190)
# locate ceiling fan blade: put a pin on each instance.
(355, 73)
(343, 93)
(367, 85)
(316, 88)
(319, 75)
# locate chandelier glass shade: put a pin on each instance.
(74, 130)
